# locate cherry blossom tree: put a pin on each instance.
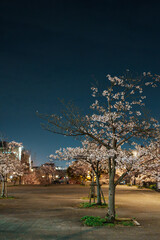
(90, 155)
(9, 164)
(48, 171)
(78, 170)
(118, 119)
(32, 178)
(42, 175)
(148, 169)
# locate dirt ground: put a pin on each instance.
(49, 213)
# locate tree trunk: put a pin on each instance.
(111, 198)
(99, 202)
(82, 181)
(102, 196)
(92, 186)
(4, 188)
(20, 180)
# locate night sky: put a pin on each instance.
(54, 49)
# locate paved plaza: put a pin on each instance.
(50, 213)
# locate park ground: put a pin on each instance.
(50, 213)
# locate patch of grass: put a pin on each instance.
(9, 197)
(139, 187)
(87, 198)
(126, 223)
(109, 224)
(93, 221)
(98, 221)
(92, 205)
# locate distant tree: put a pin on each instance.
(78, 171)
(118, 119)
(32, 178)
(9, 164)
(42, 175)
(47, 171)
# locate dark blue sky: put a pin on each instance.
(55, 49)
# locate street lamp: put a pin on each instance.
(135, 153)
